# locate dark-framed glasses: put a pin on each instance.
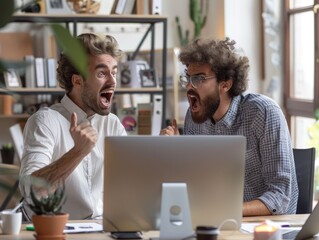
(195, 80)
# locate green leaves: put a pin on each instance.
(6, 11)
(317, 114)
(50, 204)
(72, 48)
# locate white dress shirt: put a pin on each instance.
(47, 137)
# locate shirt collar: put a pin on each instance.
(230, 116)
(72, 107)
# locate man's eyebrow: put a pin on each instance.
(102, 65)
(197, 74)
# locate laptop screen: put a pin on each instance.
(136, 167)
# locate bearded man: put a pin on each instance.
(216, 79)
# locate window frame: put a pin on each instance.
(294, 106)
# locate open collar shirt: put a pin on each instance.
(270, 170)
(47, 138)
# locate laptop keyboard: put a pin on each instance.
(290, 235)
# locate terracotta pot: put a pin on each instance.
(50, 225)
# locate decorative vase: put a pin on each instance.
(47, 226)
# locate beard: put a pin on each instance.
(210, 105)
(91, 101)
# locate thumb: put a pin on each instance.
(74, 120)
(174, 125)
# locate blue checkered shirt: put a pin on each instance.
(270, 170)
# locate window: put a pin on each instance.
(302, 79)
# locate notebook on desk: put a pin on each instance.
(137, 166)
(309, 229)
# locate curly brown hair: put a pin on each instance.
(94, 45)
(223, 59)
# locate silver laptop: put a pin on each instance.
(309, 229)
(136, 166)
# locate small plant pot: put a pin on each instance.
(49, 225)
(7, 155)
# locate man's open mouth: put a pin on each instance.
(106, 98)
(193, 102)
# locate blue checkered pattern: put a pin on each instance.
(270, 170)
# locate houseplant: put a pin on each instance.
(7, 153)
(46, 203)
(198, 14)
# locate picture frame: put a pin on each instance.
(130, 73)
(12, 79)
(57, 7)
(148, 77)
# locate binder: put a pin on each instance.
(51, 72)
(157, 114)
(129, 6)
(40, 72)
(120, 6)
(29, 71)
(156, 7)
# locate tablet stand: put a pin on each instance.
(176, 220)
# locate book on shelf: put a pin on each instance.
(119, 9)
(125, 7)
(129, 6)
(40, 72)
(51, 72)
(156, 7)
(142, 7)
(157, 114)
(29, 75)
(106, 7)
(144, 118)
(114, 6)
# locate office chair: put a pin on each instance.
(305, 164)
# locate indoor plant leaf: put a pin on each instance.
(71, 48)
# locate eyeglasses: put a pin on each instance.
(195, 80)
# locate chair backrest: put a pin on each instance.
(17, 137)
(305, 164)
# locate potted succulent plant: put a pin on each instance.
(7, 153)
(48, 220)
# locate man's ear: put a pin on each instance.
(77, 80)
(226, 85)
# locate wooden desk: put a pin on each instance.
(225, 235)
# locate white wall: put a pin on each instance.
(243, 24)
(170, 8)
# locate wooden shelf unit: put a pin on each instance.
(74, 19)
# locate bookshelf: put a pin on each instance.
(71, 22)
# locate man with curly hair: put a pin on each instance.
(216, 79)
(65, 142)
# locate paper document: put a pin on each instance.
(250, 226)
(83, 227)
